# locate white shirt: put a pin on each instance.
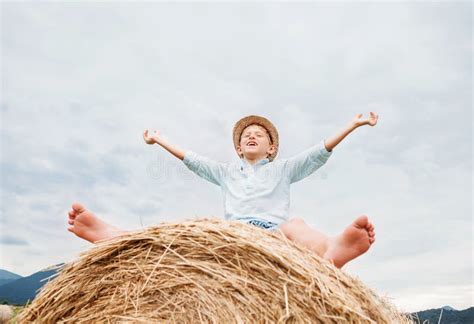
(261, 190)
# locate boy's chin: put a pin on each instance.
(250, 156)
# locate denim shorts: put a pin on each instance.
(259, 222)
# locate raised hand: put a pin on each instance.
(152, 138)
(371, 120)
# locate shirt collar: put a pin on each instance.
(263, 161)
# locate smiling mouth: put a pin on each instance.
(252, 144)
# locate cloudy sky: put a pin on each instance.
(81, 81)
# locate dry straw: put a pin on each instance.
(205, 270)
(6, 313)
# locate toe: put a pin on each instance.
(362, 221)
(78, 208)
(369, 230)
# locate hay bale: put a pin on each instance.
(205, 270)
(6, 313)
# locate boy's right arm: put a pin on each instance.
(156, 138)
(206, 168)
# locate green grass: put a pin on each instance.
(16, 310)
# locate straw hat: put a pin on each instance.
(256, 120)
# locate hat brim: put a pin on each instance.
(256, 120)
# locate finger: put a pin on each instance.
(359, 115)
(70, 229)
(71, 214)
(70, 222)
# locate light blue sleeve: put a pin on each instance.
(303, 164)
(204, 167)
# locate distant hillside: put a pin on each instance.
(19, 291)
(7, 276)
(449, 315)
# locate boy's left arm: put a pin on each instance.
(356, 122)
(305, 163)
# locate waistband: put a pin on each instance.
(259, 222)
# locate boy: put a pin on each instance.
(256, 189)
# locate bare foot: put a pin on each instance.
(354, 241)
(88, 226)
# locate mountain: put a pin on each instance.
(7, 276)
(19, 291)
(449, 315)
(448, 308)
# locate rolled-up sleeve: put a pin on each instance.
(204, 167)
(305, 163)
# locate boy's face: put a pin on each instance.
(255, 143)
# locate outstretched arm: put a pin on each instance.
(305, 163)
(356, 122)
(156, 138)
(204, 167)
